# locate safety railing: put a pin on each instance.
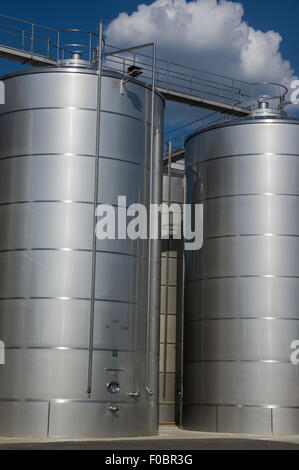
(263, 91)
(57, 45)
(78, 41)
(178, 135)
(47, 43)
(183, 80)
(180, 78)
(28, 37)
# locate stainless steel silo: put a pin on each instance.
(242, 309)
(48, 130)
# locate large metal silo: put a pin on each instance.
(56, 345)
(243, 285)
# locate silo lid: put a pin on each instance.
(263, 110)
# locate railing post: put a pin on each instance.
(233, 90)
(23, 39)
(58, 45)
(48, 46)
(200, 83)
(90, 47)
(32, 37)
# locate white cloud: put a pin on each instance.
(209, 34)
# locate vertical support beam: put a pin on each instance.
(167, 274)
(150, 261)
(32, 38)
(95, 203)
(153, 331)
(183, 322)
(90, 47)
(58, 47)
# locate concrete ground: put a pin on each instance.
(170, 438)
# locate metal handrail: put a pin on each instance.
(169, 75)
(75, 30)
(207, 87)
(174, 77)
(18, 30)
(283, 93)
(207, 84)
(224, 84)
(191, 68)
(29, 38)
(28, 22)
(66, 47)
(179, 128)
(26, 33)
(176, 137)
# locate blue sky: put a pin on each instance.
(280, 16)
(261, 14)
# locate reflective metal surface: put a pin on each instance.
(242, 305)
(171, 308)
(47, 166)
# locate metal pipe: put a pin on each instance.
(149, 298)
(25, 21)
(155, 282)
(96, 187)
(182, 323)
(134, 48)
(167, 272)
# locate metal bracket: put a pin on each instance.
(113, 408)
(149, 391)
(122, 83)
(134, 394)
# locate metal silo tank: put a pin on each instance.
(48, 132)
(242, 309)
